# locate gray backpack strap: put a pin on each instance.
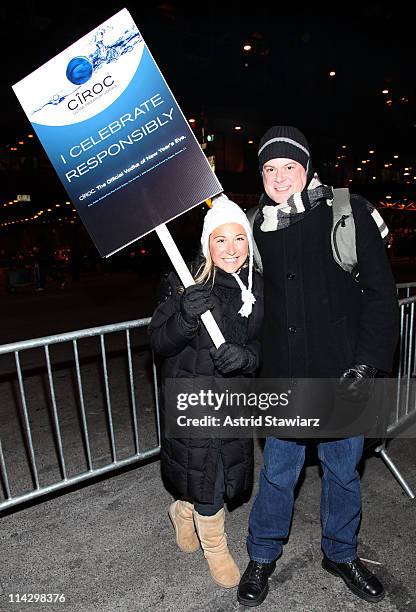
(251, 215)
(343, 232)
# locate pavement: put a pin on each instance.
(109, 546)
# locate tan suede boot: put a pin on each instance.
(181, 515)
(213, 539)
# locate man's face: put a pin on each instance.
(282, 178)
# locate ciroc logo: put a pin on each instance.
(79, 70)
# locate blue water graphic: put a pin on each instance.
(79, 70)
(103, 54)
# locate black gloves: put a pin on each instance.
(356, 383)
(195, 300)
(230, 357)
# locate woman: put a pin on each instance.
(203, 471)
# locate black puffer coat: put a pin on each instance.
(190, 465)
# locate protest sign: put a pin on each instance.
(116, 135)
(118, 140)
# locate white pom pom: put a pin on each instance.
(248, 301)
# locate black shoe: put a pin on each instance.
(254, 583)
(357, 578)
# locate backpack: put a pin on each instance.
(342, 233)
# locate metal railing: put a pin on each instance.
(405, 290)
(405, 403)
(81, 415)
(404, 414)
(76, 425)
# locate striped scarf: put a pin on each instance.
(279, 216)
(381, 224)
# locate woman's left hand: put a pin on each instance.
(231, 357)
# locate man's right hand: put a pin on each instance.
(195, 300)
(357, 382)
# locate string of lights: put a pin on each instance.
(369, 168)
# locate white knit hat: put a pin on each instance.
(223, 211)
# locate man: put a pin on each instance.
(319, 323)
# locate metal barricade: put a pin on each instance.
(404, 414)
(405, 290)
(58, 427)
(405, 409)
(76, 422)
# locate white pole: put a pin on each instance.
(187, 280)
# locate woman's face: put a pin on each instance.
(228, 246)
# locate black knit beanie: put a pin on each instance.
(285, 141)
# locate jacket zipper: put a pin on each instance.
(342, 223)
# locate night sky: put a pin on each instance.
(285, 79)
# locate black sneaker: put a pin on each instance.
(254, 583)
(357, 577)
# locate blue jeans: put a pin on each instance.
(272, 511)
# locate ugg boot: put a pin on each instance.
(213, 539)
(181, 515)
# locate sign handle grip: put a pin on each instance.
(186, 277)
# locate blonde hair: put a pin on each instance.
(206, 270)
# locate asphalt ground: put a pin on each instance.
(110, 546)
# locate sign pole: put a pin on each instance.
(187, 280)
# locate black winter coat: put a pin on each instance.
(318, 321)
(190, 465)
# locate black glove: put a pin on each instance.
(356, 383)
(230, 357)
(195, 300)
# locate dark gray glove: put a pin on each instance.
(231, 357)
(195, 300)
(357, 382)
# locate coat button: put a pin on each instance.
(290, 276)
(292, 329)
